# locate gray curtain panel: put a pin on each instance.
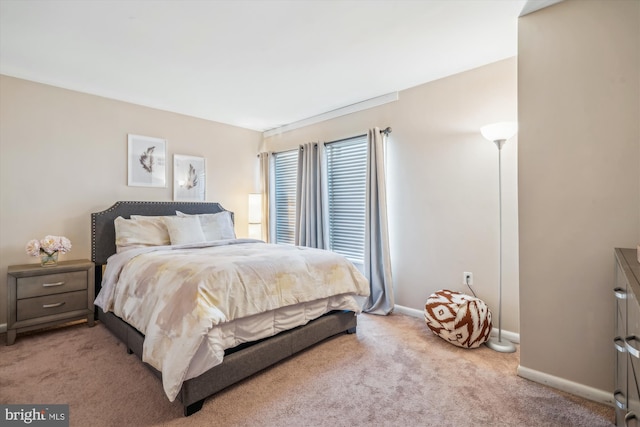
(311, 227)
(377, 263)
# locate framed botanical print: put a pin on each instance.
(189, 178)
(146, 161)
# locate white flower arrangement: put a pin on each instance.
(48, 245)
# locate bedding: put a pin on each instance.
(193, 301)
(217, 226)
(184, 230)
(140, 232)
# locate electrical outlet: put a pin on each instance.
(467, 278)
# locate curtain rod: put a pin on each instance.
(386, 132)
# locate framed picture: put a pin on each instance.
(189, 178)
(147, 164)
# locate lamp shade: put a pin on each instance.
(499, 131)
(255, 208)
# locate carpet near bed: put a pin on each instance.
(394, 372)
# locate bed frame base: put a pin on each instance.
(193, 408)
(243, 361)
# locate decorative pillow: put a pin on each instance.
(217, 226)
(460, 319)
(135, 233)
(184, 230)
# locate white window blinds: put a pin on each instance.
(285, 172)
(347, 178)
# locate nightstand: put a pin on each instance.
(45, 296)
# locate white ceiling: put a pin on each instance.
(257, 64)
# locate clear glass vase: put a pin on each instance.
(48, 260)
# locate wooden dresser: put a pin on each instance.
(45, 296)
(627, 338)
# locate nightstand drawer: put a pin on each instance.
(31, 308)
(55, 283)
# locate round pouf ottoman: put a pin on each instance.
(460, 319)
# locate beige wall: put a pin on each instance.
(63, 155)
(443, 184)
(579, 155)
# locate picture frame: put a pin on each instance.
(189, 178)
(146, 157)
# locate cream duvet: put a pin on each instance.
(190, 301)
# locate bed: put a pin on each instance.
(325, 318)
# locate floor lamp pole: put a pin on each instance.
(504, 346)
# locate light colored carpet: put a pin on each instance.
(393, 372)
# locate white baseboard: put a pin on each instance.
(511, 336)
(577, 389)
(514, 337)
(408, 311)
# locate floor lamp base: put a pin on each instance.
(503, 346)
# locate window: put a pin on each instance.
(347, 179)
(285, 173)
(346, 163)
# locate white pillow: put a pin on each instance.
(157, 221)
(217, 226)
(184, 230)
(149, 218)
(135, 233)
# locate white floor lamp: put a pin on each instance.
(500, 133)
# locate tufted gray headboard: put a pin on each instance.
(103, 233)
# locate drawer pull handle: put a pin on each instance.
(56, 304)
(620, 293)
(630, 416)
(619, 344)
(48, 285)
(630, 348)
(621, 401)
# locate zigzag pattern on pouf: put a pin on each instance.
(460, 319)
